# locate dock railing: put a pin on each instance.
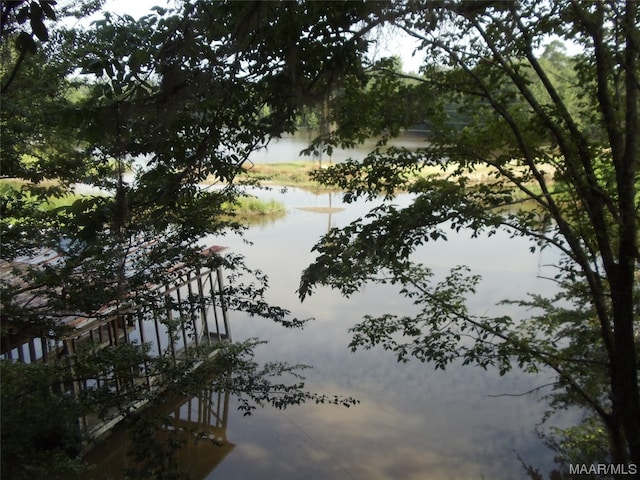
(190, 312)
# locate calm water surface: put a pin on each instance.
(288, 148)
(412, 422)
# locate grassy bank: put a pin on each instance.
(296, 174)
(246, 207)
(47, 201)
(290, 174)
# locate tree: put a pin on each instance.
(557, 137)
(143, 111)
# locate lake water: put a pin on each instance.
(288, 148)
(412, 422)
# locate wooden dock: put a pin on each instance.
(188, 312)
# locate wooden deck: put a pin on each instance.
(188, 312)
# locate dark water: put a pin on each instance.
(412, 422)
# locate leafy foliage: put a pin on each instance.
(131, 117)
(555, 139)
(40, 437)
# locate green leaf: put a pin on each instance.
(25, 42)
(47, 8)
(37, 25)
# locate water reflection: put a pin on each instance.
(288, 148)
(196, 425)
(412, 422)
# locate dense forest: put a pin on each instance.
(141, 112)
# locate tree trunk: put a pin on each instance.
(624, 387)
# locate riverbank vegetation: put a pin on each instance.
(243, 208)
(17, 189)
(247, 207)
(309, 175)
(195, 89)
(287, 174)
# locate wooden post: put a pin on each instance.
(192, 307)
(45, 348)
(32, 350)
(181, 312)
(213, 299)
(203, 308)
(223, 304)
(169, 319)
